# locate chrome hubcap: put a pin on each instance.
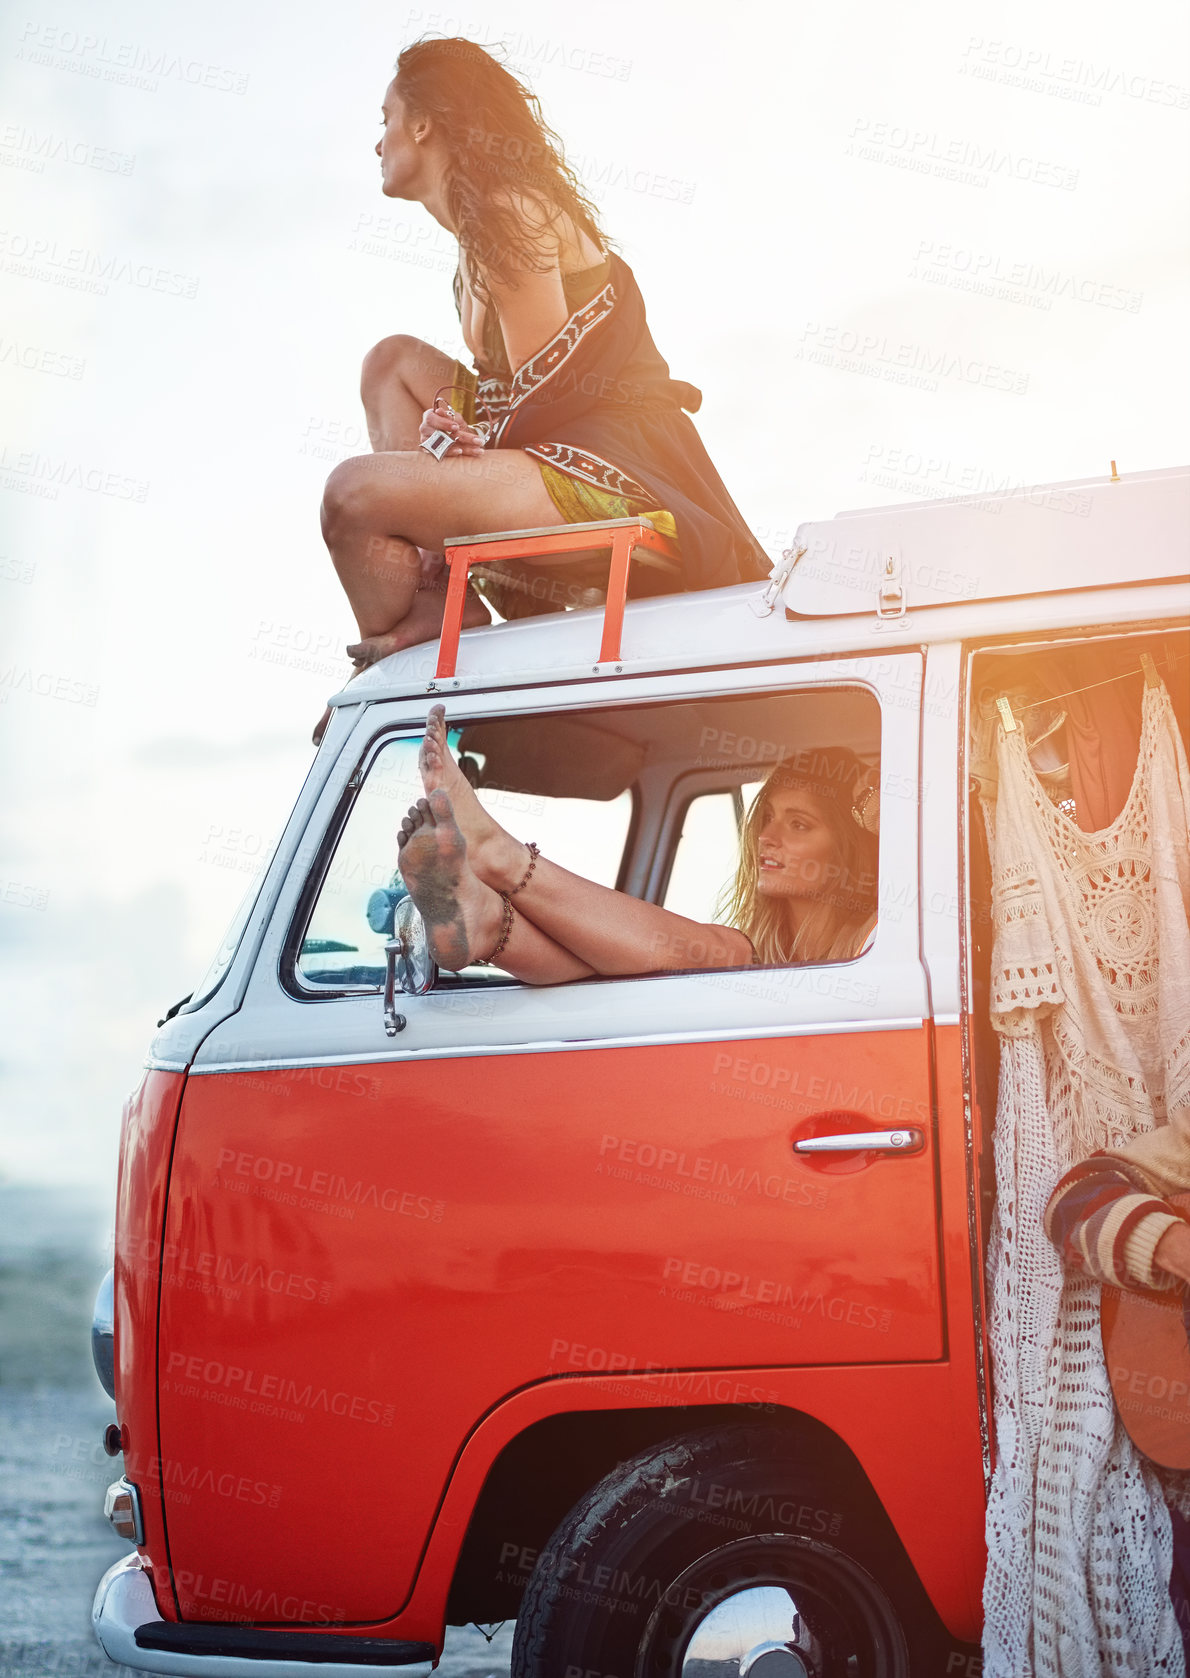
(757, 1632)
(772, 1606)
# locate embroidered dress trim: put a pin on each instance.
(591, 468)
(490, 403)
(540, 368)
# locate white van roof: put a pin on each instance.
(1030, 555)
(1088, 533)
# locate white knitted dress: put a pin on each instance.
(1091, 1000)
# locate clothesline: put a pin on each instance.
(1124, 676)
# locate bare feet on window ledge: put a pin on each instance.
(496, 857)
(462, 916)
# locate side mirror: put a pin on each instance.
(408, 964)
(382, 906)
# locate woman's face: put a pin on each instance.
(797, 852)
(401, 161)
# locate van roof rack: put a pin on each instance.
(627, 542)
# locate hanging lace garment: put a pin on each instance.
(1091, 1001)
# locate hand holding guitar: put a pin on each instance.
(1172, 1252)
(1146, 1346)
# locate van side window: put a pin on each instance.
(343, 944)
(676, 803)
(707, 851)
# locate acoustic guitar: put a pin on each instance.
(1146, 1346)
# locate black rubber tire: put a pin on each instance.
(596, 1599)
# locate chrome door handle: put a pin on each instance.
(907, 1141)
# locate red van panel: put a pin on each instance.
(145, 1139)
(367, 1259)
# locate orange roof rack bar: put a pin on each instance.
(625, 539)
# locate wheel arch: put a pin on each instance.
(541, 1472)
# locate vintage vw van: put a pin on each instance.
(645, 1311)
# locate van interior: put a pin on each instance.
(649, 798)
(1043, 685)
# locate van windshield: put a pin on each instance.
(230, 942)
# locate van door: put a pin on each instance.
(376, 1239)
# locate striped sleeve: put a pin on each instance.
(1106, 1222)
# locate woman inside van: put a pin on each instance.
(805, 889)
(570, 413)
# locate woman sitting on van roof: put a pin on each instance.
(571, 413)
(805, 889)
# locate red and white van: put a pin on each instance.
(645, 1311)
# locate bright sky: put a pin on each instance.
(820, 204)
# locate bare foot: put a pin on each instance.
(422, 622)
(496, 857)
(463, 916)
(321, 726)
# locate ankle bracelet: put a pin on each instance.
(534, 853)
(505, 932)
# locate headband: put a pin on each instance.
(865, 811)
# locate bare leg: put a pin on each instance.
(396, 600)
(379, 509)
(398, 381)
(464, 918)
(397, 384)
(610, 931)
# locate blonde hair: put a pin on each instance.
(840, 916)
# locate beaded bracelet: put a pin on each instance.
(505, 933)
(534, 853)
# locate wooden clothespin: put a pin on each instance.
(1152, 679)
(1008, 721)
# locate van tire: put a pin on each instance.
(647, 1554)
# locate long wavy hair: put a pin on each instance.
(842, 911)
(501, 154)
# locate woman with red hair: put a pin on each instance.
(570, 413)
